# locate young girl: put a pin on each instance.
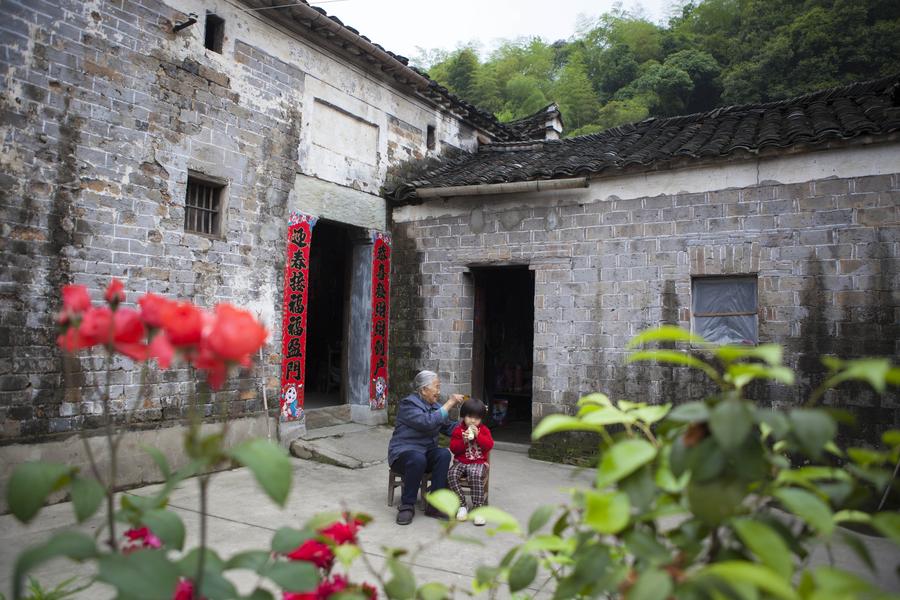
(470, 443)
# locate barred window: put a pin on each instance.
(724, 309)
(203, 206)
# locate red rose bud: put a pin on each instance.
(115, 293)
(75, 299)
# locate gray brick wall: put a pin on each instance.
(104, 111)
(827, 256)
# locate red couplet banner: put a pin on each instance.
(381, 294)
(293, 326)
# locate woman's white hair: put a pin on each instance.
(424, 379)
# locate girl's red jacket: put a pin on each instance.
(483, 441)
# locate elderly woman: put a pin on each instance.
(414, 450)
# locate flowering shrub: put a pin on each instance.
(148, 561)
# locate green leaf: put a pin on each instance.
(595, 399)
(866, 457)
(402, 585)
(560, 423)
(540, 517)
(87, 495)
(716, 501)
(777, 421)
(891, 438)
(606, 512)
(841, 584)
(607, 416)
(503, 520)
(705, 460)
(665, 333)
(160, 459)
(647, 548)
(347, 553)
(190, 562)
(522, 573)
(651, 414)
(652, 584)
(30, 485)
(874, 371)
(740, 374)
(270, 465)
(690, 412)
(771, 354)
(761, 577)
(888, 523)
(294, 576)
(623, 459)
(167, 526)
(445, 501)
(322, 520)
(766, 544)
(71, 544)
(813, 429)
(731, 422)
(216, 587)
(674, 357)
(287, 539)
(259, 594)
(142, 574)
(252, 560)
(433, 591)
(808, 507)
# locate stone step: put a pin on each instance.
(348, 445)
(328, 416)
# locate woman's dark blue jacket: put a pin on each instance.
(418, 426)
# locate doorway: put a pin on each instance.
(503, 349)
(327, 317)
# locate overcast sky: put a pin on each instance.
(402, 25)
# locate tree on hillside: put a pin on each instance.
(620, 67)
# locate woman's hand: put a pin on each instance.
(453, 401)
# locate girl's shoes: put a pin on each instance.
(479, 521)
(462, 514)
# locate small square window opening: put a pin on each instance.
(215, 32)
(429, 137)
(203, 206)
(725, 310)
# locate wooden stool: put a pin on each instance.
(395, 480)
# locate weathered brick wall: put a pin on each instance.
(827, 254)
(103, 115)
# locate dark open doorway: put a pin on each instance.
(503, 348)
(328, 305)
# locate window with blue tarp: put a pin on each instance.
(725, 309)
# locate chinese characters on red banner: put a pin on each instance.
(293, 330)
(381, 282)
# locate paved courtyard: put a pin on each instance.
(243, 518)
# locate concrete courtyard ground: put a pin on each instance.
(243, 518)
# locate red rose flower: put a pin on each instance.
(96, 326)
(143, 535)
(75, 299)
(342, 533)
(336, 584)
(315, 552)
(152, 309)
(215, 367)
(128, 334)
(184, 590)
(161, 349)
(115, 292)
(370, 590)
(183, 323)
(235, 333)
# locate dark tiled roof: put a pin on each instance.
(396, 66)
(866, 108)
(534, 127)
